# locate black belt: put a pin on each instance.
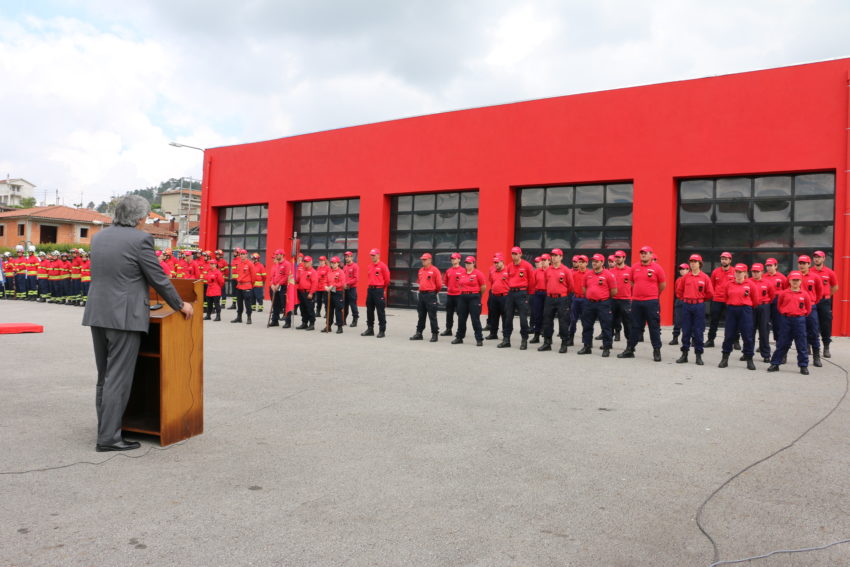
(499, 294)
(469, 293)
(597, 300)
(428, 291)
(556, 295)
(519, 289)
(692, 301)
(376, 287)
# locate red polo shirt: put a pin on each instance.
(647, 280)
(598, 285)
(430, 279)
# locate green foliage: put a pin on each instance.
(28, 202)
(152, 194)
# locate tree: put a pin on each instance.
(91, 205)
(28, 202)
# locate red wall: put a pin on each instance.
(778, 120)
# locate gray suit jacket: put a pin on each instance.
(123, 265)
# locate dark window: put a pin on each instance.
(2, 229)
(580, 219)
(327, 228)
(757, 217)
(243, 227)
(84, 233)
(439, 223)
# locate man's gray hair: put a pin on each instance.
(130, 210)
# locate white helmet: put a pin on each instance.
(57, 253)
(19, 248)
(32, 248)
(7, 254)
(42, 253)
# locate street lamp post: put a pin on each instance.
(181, 234)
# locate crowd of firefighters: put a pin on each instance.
(55, 277)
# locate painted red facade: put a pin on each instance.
(790, 119)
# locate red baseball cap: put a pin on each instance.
(187, 252)
(469, 260)
(545, 257)
(646, 249)
(497, 257)
(757, 268)
(159, 252)
(599, 257)
(620, 253)
(804, 258)
(771, 262)
(581, 257)
(611, 257)
(684, 267)
(335, 259)
(348, 253)
(726, 255)
(557, 252)
(455, 255)
(819, 253)
(308, 259)
(323, 257)
(537, 258)
(425, 256)
(575, 258)
(740, 267)
(516, 250)
(374, 252)
(695, 258)
(795, 275)
(279, 251)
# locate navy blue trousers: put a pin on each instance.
(516, 302)
(792, 328)
(646, 312)
(825, 320)
(776, 319)
(739, 319)
(621, 312)
(496, 304)
(693, 326)
(596, 311)
(537, 302)
(469, 305)
(813, 329)
(677, 317)
(761, 322)
(576, 309)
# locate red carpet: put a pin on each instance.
(12, 328)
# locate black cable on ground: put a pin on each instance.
(715, 561)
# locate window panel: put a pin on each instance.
(814, 184)
(400, 240)
(531, 218)
(469, 200)
(224, 228)
(590, 194)
(238, 213)
(694, 237)
(559, 196)
(304, 209)
(696, 212)
(445, 240)
(559, 217)
(423, 240)
(732, 236)
(533, 197)
(399, 260)
(264, 211)
(336, 224)
(772, 236)
(237, 228)
(336, 241)
(337, 207)
(319, 224)
(822, 210)
(588, 216)
(772, 186)
(618, 240)
(696, 189)
(618, 216)
(251, 243)
(353, 224)
(423, 221)
(620, 193)
(467, 239)
(772, 211)
(558, 238)
(228, 213)
(252, 227)
(588, 239)
(530, 239)
(446, 221)
(424, 202)
(736, 211)
(819, 236)
(734, 188)
(252, 212)
(469, 220)
(448, 201)
(320, 208)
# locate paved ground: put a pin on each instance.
(325, 450)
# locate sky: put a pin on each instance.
(93, 91)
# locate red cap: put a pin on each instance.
(646, 249)
(187, 252)
(771, 262)
(740, 267)
(469, 260)
(795, 275)
(374, 252)
(425, 256)
(255, 255)
(820, 253)
(545, 257)
(159, 252)
(537, 258)
(497, 257)
(611, 257)
(307, 259)
(581, 257)
(213, 263)
(757, 268)
(726, 255)
(455, 255)
(620, 253)
(575, 258)
(335, 259)
(323, 257)
(557, 251)
(684, 267)
(348, 253)
(804, 258)
(599, 257)
(279, 251)
(695, 257)
(219, 251)
(516, 250)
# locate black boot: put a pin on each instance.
(656, 354)
(287, 325)
(585, 350)
(301, 326)
(709, 343)
(536, 339)
(217, 316)
(816, 358)
(826, 353)
(446, 333)
(457, 341)
(617, 336)
(598, 337)
(804, 371)
(570, 342)
(523, 345)
(339, 329)
(354, 322)
(416, 337)
(369, 332)
(206, 317)
(311, 327)
(547, 345)
(491, 337)
(785, 359)
(682, 359)
(628, 353)
(380, 334)
(273, 324)
(248, 322)
(675, 340)
(504, 344)
(564, 347)
(750, 364)
(773, 368)
(606, 352)
(238, 319)
(699, 359)
(434, 337)
(724, 362)
(325, 330)
(743, 357)
(736, 345)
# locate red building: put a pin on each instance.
(754, 163)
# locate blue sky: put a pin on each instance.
(94, 90)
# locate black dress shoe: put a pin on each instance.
(368, 333)
(446, 333)
(478, 343)
(773, 368)
(606, 352)
(380, 335)
(804, 370)
(585, 350)
(504, 344)
(122, 446)
(457, 341)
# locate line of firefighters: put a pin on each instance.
(58, 277)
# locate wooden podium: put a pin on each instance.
(167, 399)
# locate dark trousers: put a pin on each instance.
(234, 292)
(259, 297)
(469, 305)
(335, 313)
(244, 301)
(813, 329)
(516, 302)
(213, 305)
(115, 354)
(576, 309)
(496, 304)
(32, 286)
(278, 305)
(621, 311)
(76, 288)
(693, 326)
(3, 288)
(646, 313)
(792, 329)
(307, 316)
(596, 311)
(321, 298)
(761, 321)
(375, 301)
(556, 307)
(777, 319)
(739, 319)
(824, 307)
(427, 305)
(43, 288)
(85, 289)
(452, 302)
(718, 309)
(21, 286)
(351, 303)
(677, 317)
(537, 301)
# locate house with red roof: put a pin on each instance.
(51, 224)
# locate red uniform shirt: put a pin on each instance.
(307, 279)
(352, 274)
(76, 263)
(719, 279)
(234, 265)
(215, 281)
(499, 281)
(32, 265)
(692, 287)
(520, 275)
(245, 275)
(259, 274)
(379, 274)
(85, 270)
(472, 281)
(281, 272)
(222, 266)
(598, 285)
(430, 279)
(624, 281)
(559, 280)
(540, 280)
(20, 264)
(577, 284)
(764, 291)
(43, 267)
(740, 293)
(812, 283)
(647, 281)
(777, 281)
(794, 303)
(167, 268)
(335, 278)
(452, 280)
(322, 274)
(828, 280)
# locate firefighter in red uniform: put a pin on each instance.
(693, 290)
(578, 300)
(740, 295)
(813, 284)
(245, 278)
(559, 285)
(352, 278)
(648, 282)
(498, 298)
(32, 274)
(794, 305)
(20, 264)
(166, 266)
(430, 283)
(214, 283)
(829, 285)
(538, 299)
(222, 265)
(259, 282)
(378, 278)
(520, 281)
(76, 277)
(720, 277)
(335, 287)
(42, 272)
(307, 281)
(779, 283)
(321, 294)
(280, 278)
(472, 284)
(764, 294)
(599, 287)
(65, 279)
(85, 277)
(621, 308)
(452, 280)
(53, 274)
(234, 268)
(9, 275)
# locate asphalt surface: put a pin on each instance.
(325, 450)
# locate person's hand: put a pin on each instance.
(309, 296)
(187, 310)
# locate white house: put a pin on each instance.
(13, 190)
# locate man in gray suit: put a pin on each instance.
(123, 265)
